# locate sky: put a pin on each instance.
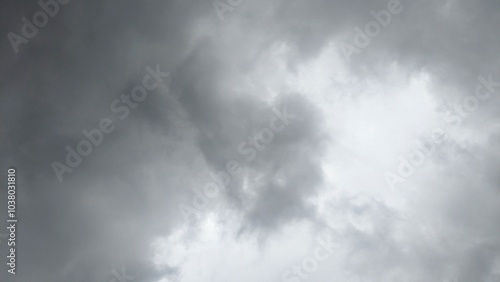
(236, 140)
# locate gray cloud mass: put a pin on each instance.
(323, 172)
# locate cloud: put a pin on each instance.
(323, 172)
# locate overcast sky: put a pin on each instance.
(238, 140)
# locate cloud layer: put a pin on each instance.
(322, 175)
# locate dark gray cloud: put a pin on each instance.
(222, 90)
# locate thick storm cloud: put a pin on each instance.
(251, 140)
